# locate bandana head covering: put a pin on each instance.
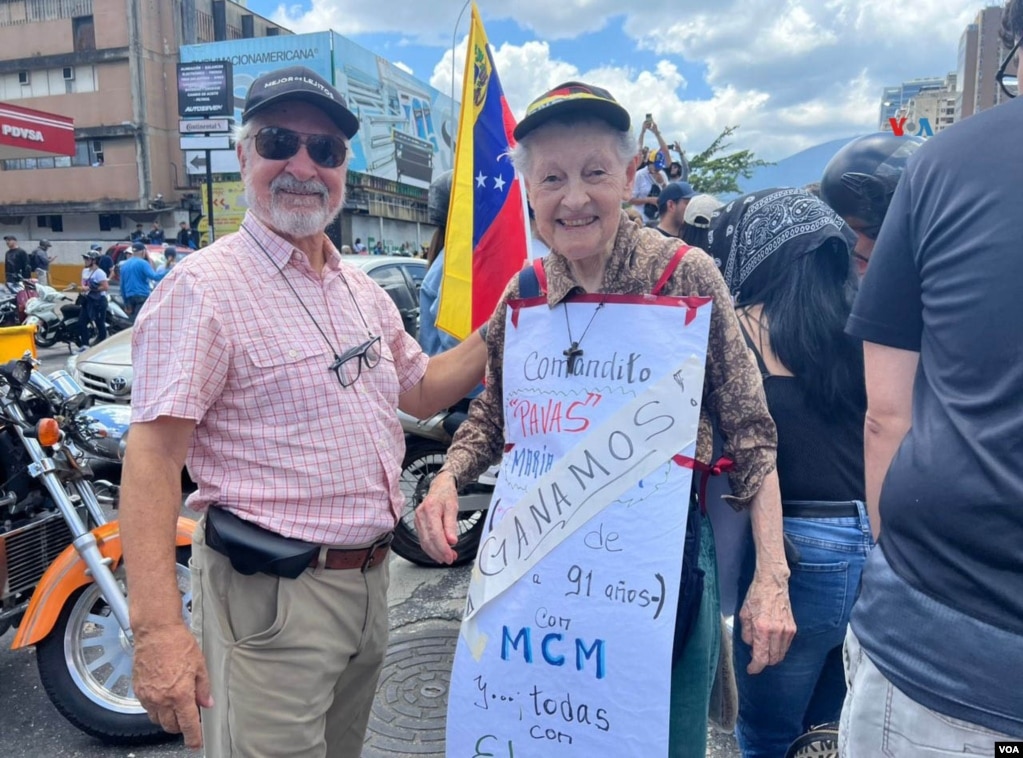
(751, 228)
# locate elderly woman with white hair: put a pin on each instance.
(577, 156)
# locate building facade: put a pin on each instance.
(406, 129)
(110, 65)
(980, 54)
(895, 99)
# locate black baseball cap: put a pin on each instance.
(10, 237)
(573, 97)
(136, 246)
(300, 83)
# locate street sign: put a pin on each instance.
(204, 125)
(199, 142)
(222, 162)
(205, 89)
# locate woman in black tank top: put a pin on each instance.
(786, 258)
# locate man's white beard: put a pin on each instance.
(291, 222)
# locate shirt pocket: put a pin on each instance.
(276, 375)
(274, 351)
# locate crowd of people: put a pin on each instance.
(861, 375)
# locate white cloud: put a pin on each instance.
(404, 67)
(791, 73)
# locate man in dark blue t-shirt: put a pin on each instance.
(935, 653)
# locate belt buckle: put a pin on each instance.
(381, 544)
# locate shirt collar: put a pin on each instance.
(280, 250)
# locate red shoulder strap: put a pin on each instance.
(541, 275)
(669, 270)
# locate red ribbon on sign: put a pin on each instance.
(722, 465)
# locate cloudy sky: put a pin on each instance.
(790, 73)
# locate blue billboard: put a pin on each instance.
(407, 127)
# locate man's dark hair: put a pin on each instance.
(1012, 22)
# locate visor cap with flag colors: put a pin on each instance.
(575, 98)
(299, 83)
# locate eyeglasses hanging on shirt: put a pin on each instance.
(347, 366)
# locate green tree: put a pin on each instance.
(716, 173)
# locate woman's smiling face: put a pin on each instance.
(576, 184)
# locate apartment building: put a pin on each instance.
(110, 65)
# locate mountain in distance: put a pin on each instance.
(797, 170)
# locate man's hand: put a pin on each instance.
(767, 623)
(171, 681)
(437, 519)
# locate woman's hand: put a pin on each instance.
(437, 519)
(767, 623)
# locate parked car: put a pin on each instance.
(105, 371)
(400, 278)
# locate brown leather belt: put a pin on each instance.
(364, 558)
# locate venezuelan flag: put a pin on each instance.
(485, 241)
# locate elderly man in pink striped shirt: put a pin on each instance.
(280, 392)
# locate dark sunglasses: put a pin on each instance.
(276, 143)
(348, 366)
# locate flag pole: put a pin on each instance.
(454, 44)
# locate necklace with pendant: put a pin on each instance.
(574, 351)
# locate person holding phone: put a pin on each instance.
(650, 178)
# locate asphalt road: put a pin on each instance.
(422, 601)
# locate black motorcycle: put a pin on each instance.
(426, 448)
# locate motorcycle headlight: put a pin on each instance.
(72, 395)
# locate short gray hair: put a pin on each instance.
(625, 143)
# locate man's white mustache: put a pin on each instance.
(291, 184)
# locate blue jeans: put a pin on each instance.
(93, 310)
(808, 687)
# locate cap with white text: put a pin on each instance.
(300, 83)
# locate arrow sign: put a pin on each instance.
(221, 162)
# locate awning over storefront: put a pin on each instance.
(27, 133)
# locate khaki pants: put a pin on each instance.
(293, 663)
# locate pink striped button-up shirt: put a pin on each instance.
(224, 341)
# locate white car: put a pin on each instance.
(105, 372)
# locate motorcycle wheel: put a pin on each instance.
(46, 338)
(423, 459)
(85, 666)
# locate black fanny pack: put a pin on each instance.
(253, 549)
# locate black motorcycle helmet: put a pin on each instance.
(439, 198)
(861, 177)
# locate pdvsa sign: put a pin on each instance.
(27, 133)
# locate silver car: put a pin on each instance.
(105, 371)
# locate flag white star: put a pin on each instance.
(481, 180)
(499, 183)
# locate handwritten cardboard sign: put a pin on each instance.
(565, 649)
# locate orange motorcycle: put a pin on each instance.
(61, 569)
